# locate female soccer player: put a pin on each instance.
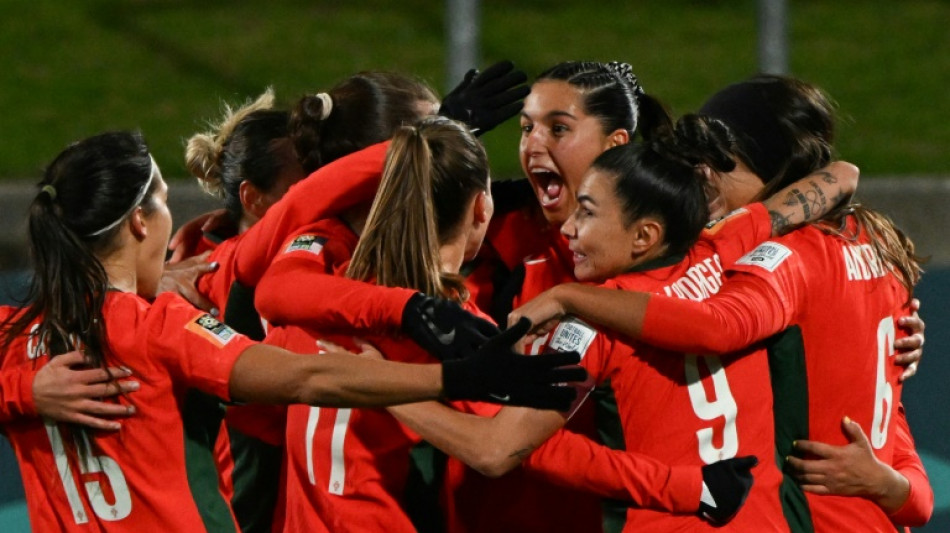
(98, 230)
(559, 102)
(806, 283)
(640, 210)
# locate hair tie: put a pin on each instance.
(327, 105)
(50, 190)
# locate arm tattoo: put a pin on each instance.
(826, 176)
(780, 222)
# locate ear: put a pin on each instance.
(618, 137)
(137, 224)
(482, 208)
(252, 199)
(648, 234)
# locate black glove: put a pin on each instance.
(498, 374)
(727, 483)
(442, 328)
(485, 100)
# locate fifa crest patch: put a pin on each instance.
(769, 255)
(307, 243)
(572, 335)
(210, 329)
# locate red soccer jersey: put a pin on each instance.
(333, 188)
(683, 409)
(149, 476)
(521, 503)
(846, 368)
(823, 369)
(347, 468)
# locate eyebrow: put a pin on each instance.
(586, 198)
(552, 114)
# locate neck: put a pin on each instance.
(121, 274)
(452, 254)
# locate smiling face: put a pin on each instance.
(559, 141)
(603, 245)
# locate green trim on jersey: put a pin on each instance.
(790, 411)
(256, 479)
(201, 416)
(610, 431)
(421, 499)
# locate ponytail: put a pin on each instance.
(88, 190)
(433, 171)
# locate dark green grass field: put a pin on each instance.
(72, 68)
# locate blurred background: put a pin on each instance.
(75, 68)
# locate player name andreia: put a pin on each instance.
(861, 262)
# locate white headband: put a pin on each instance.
(327, 105)
(135, 203)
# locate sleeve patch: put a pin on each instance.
(714, 225)
(572, 335)
(769, 255)
(308, 243)
(208, 328)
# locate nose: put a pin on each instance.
(534, 142)
(569, 229)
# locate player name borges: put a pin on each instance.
(701, 281)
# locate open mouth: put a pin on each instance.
(550, 187)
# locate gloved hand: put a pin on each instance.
(442, 328)
(485, 100)
(498, 374)
(726, 484)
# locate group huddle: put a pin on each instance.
(668, 325)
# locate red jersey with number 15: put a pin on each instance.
(137, 479)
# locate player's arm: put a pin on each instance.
(616, 474)
(492, 446)
(854, 470)
(296, 291)
(812, 197)
(293, 291)
(349, 181)
(747, 309)
(494, 373)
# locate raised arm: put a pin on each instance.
(349, 181)
(812, 197)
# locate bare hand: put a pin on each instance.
(74, 396)
(910, 348)
(544, 311)
(366, 348)
(184, 242)
(182, 278)
(849, 470)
